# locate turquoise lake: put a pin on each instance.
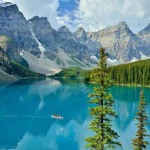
(26, 107)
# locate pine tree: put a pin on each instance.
(136, 73)
(139, 142)
(104, 137)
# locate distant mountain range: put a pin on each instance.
(47, 50)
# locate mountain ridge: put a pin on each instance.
(37, 37)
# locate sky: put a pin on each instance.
(92, 15)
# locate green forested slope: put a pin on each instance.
(72, 72)
(22, 71)
(11, 67)
(136, 73)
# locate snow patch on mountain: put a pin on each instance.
(42, 49)
(113, 62)
(110, 62)
(144, 56)
(92, 56)
(134, 59)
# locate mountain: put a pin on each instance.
(14, 25)
(38, 43)
(59, 48)
(64, 33)
(67, 40)
(145, 33)
(4, 61)
(120, 42)
(11, 70)
(145, 36)
(5, 67)
(43, 32)
(85, 38)
(47, 51)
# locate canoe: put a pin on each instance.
(57, 117)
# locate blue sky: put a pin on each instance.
(67, 6)
(93, 15)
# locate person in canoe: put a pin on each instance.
(57, 117)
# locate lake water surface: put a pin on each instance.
(26, 107)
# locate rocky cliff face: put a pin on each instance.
(145, 36)
(46, 44)
(119, 41)
(85, 38)
(4, 61)
(52, 40)
(14, 25)
(64, 33)
(43, 32)
(10, 47)
(145, 33)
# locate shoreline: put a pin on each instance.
(127, 85)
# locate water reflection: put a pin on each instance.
(26, 107)
(126, 102)
(26, 110)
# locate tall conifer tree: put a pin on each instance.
(103, 113)
(139, 142)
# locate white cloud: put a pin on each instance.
(93, 15)
(41, 8)
(67, 21)
(64, 0)
(97, 14)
